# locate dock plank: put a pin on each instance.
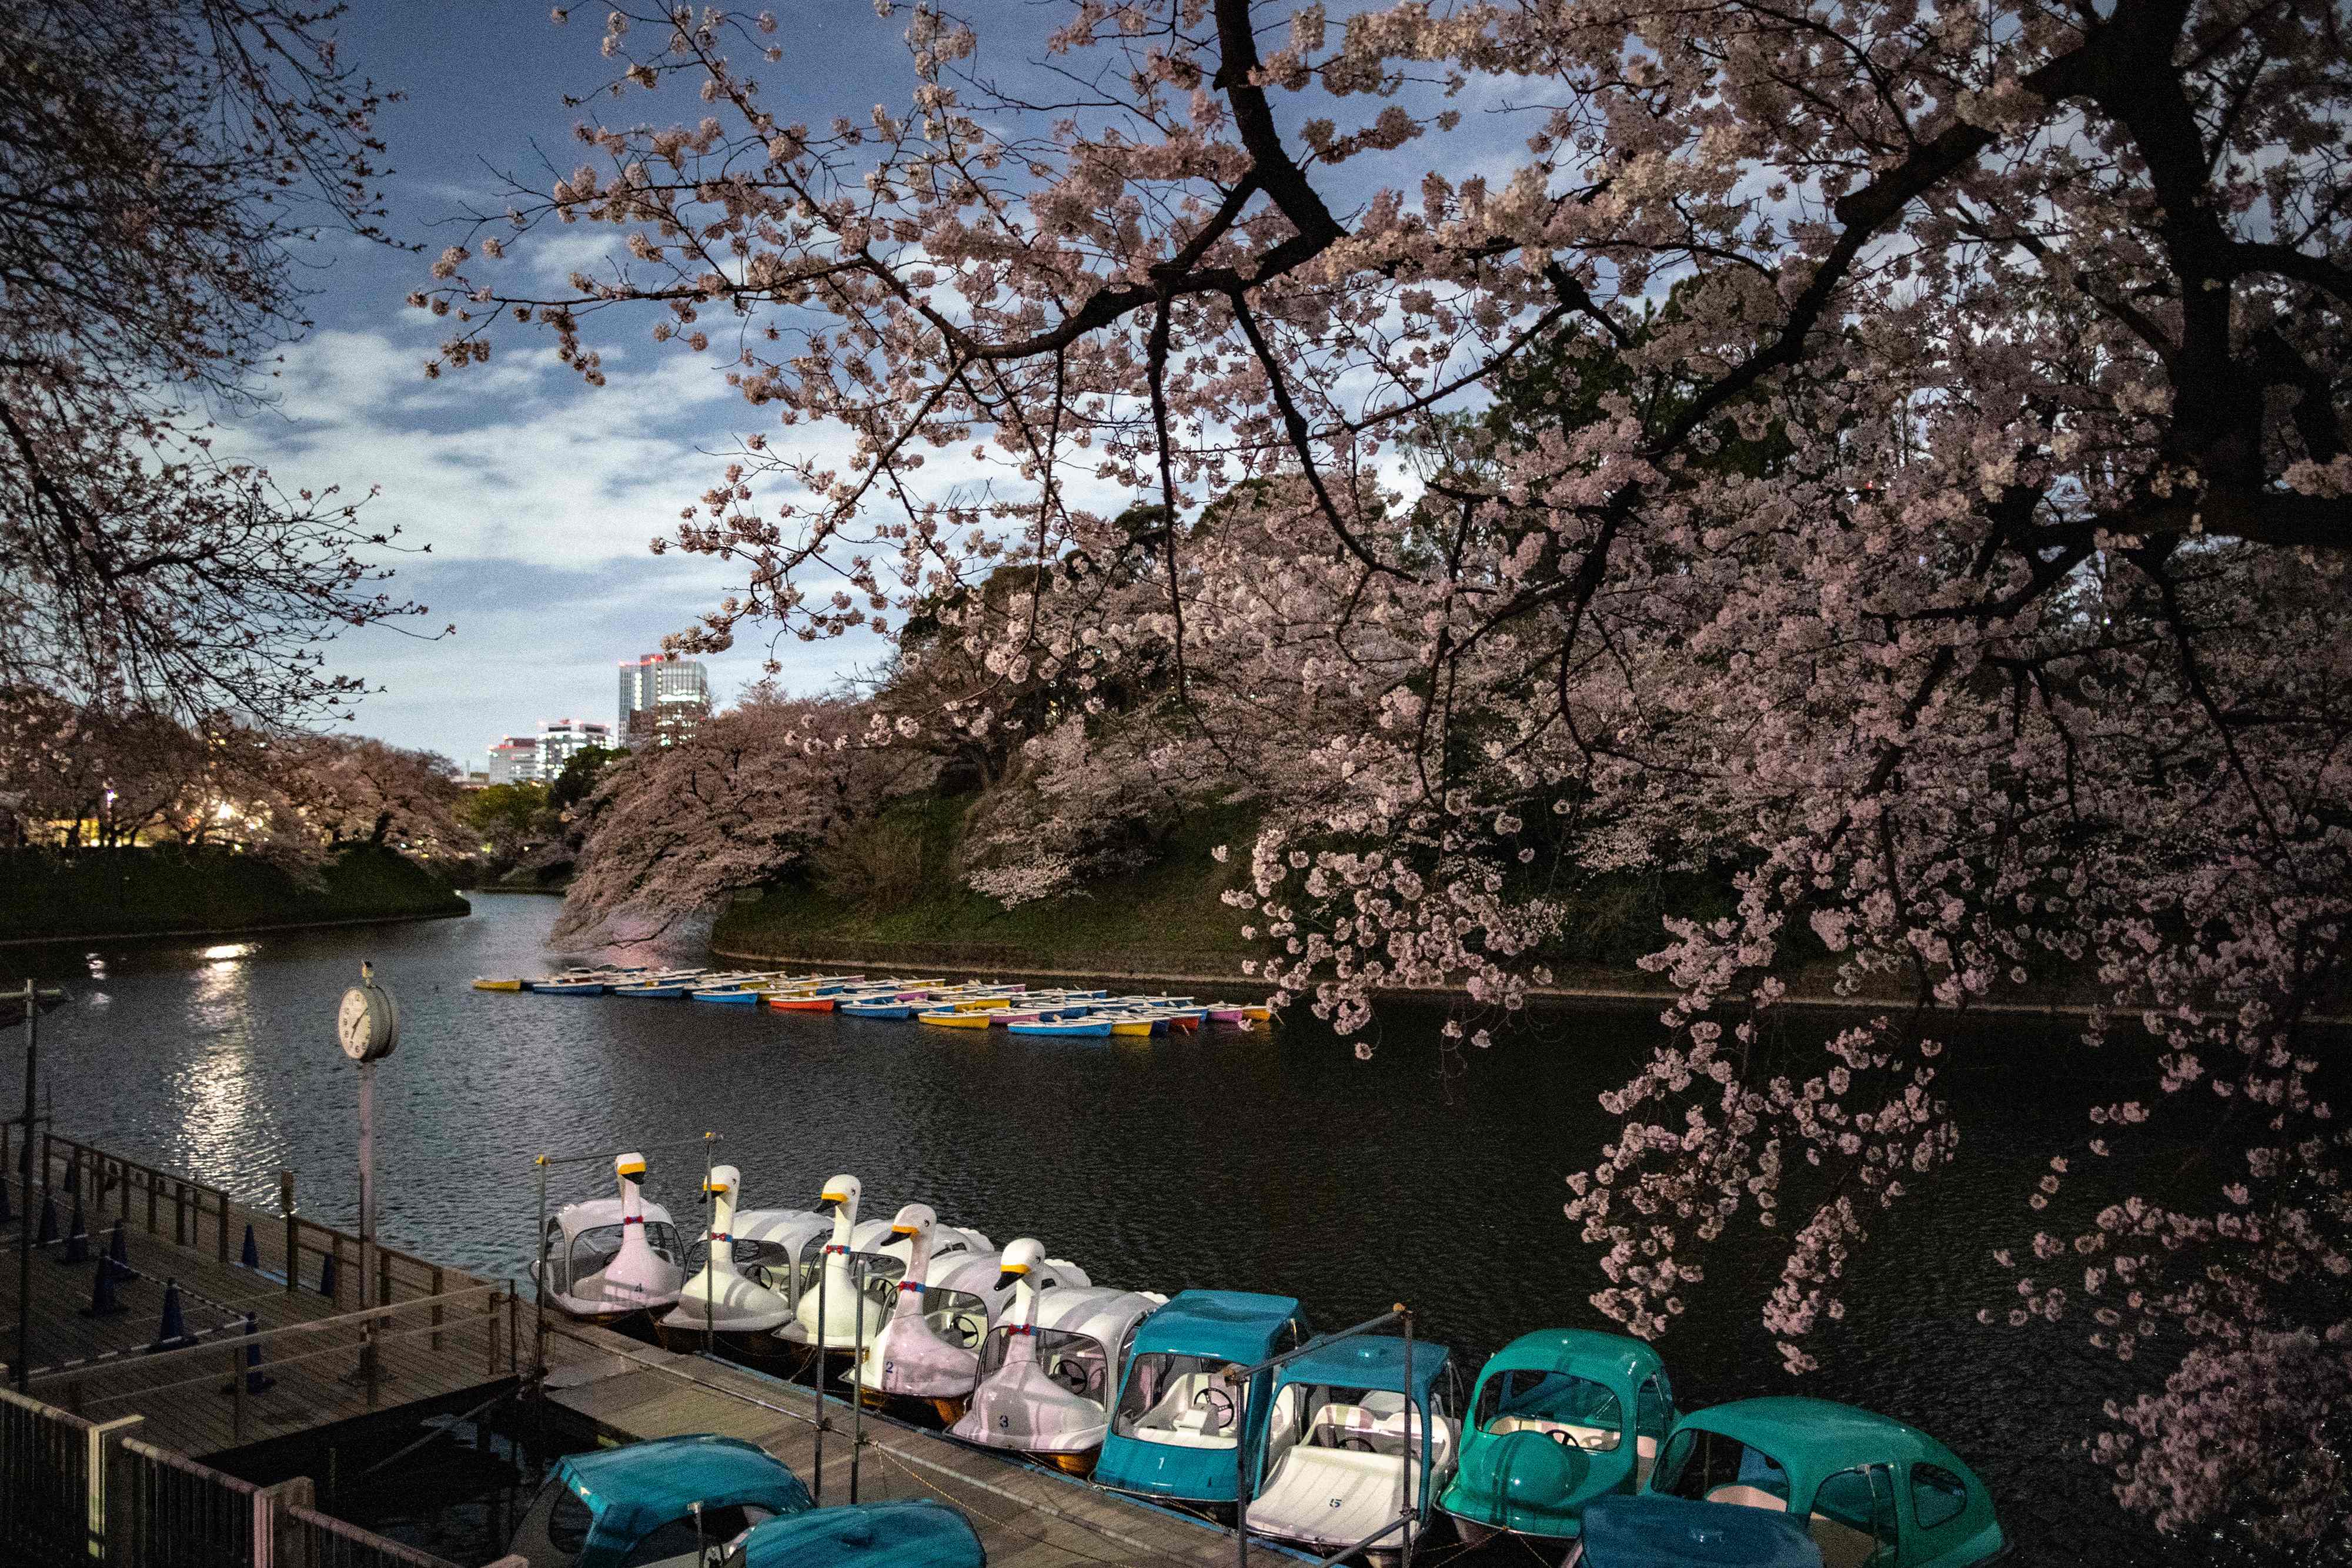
(1027, 1517)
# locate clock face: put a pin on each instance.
(367, 1026)
(352, 1025)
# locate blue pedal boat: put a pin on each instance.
(1175, 1434)
(1647, 1531)
(1560, 1416)
(654, 1503)
(1347, 1446)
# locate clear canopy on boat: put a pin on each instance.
(582, 1238)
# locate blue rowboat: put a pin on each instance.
(1098, 1028)
(887, 1010)
(741, 996)
(569, 987)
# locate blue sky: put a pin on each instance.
(537, 495)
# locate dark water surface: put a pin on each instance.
(1271, 1160)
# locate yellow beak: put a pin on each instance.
(635, 1167)
(1014, 1268)
(904, 1230)
(833, 1198)
(714, 1186)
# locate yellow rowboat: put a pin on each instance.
(1262, 1015)
(959, 1017)
(489, 983)
(1130, 1026)
(982, 1004)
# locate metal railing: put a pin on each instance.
(308, 1539)
(165, 1512)
(74, 1494)
(44, 1482)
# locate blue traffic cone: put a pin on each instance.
(77, 1247)
(327, 1275)
(256, 1380)
(173, 1334)
(73, 1178)
(48, 1234)
(251, 1257)
(103, 1301)
(118, 1251)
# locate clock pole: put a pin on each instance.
(369, 1027)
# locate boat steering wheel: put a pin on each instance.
(1218, 1403)
(1070, 1376)
(963, 1331)
(1560, 1435)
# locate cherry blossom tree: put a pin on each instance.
(346, 790)
(1924, 494)
(750, 796)
(165, 160)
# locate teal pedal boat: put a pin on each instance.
(1871, 1492)
(654, 1503)
(913, 1532)
(1183, 1418)
(709, 1501)
(1560, 1416)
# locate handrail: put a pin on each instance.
(97, 1365)
(1242, 1458)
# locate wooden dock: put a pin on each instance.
(1027, 1517)
(427, 1332)
(435, 1334)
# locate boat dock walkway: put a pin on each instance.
(426, 1334)
(1027, 1517)
(434, 1334)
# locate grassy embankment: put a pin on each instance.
(897, 900)
(161, 891)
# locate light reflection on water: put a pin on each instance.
(1264, 1162)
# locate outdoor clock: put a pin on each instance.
(368, 1024)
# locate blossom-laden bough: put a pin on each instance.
(1898, 452)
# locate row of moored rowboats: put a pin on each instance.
(975, 1004)
(1571, 1439)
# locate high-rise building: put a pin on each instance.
(514, 759)
(561, 740)
(663, 698)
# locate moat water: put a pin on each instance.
(1274, 1160)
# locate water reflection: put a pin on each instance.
(1252, 1162)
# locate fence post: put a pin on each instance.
(383, 1277)
(491, 1330)
(109, 1493)
(236, 1389)
(293, 1240)
(107, 1531)
(147, 1180)
(437, 1306)
(179, 1213)
(274, 1545)
(221, 1251)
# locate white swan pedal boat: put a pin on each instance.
(721, 1305)
(607, 1260)
(928, 1350)
(1047, 1371)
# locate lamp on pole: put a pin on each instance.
(367, 1027)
